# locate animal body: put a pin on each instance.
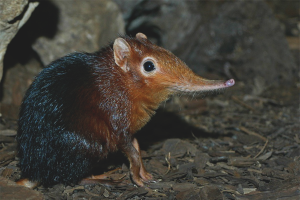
(85, 105)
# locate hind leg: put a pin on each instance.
(103, 179)
(27, 183)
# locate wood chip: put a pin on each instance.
(70, 191)
(90, 193)
(241, 161)
(8, 132)
(106, 193)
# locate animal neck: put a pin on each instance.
(144, 107)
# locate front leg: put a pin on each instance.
(137, 169)
(143, 172)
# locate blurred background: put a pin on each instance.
(255, 42)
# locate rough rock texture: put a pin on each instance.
(16, 82)
(240, 39)
(81, 26)
(13, 15)
(55, 29)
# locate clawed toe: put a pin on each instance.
(146, 177)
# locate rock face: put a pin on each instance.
(81, 26)
(242, 39)
(13, 16)
(16, 82)
(55, 29)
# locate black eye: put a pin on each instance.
(149, 66)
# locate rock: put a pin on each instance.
(200, 160)
(178, 148)
(157, 167)
(240, 39)
(82, 26)
(16, 82)
(210, 192)
(190, 194)
(55, 29)
(12, 19)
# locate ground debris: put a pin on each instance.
(228, 152)
(289, 190)
(10, 190)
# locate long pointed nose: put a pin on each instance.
(196, 83)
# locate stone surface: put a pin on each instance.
(211, 192)
(81, 26)
(239, 39)
(188, 195)
(55, 29)
(178, 148)
(16, 82)
(200, 160)
(13, 16)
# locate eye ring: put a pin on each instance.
(149, 66)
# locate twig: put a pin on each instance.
(234, 98)
(297, 139)
(169, 164)
(278, 132)
(252, 133)
(122, 177)
(197, 139)
(262, 149)
(112, 171)
(254, 170)
(264, 100)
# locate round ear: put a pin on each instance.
(141, 36)
(121, 53)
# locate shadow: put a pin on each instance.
(42, 22)
(143, 9)
(112, 162)
(165, 125)
(152, 32)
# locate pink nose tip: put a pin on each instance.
(230, 83)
